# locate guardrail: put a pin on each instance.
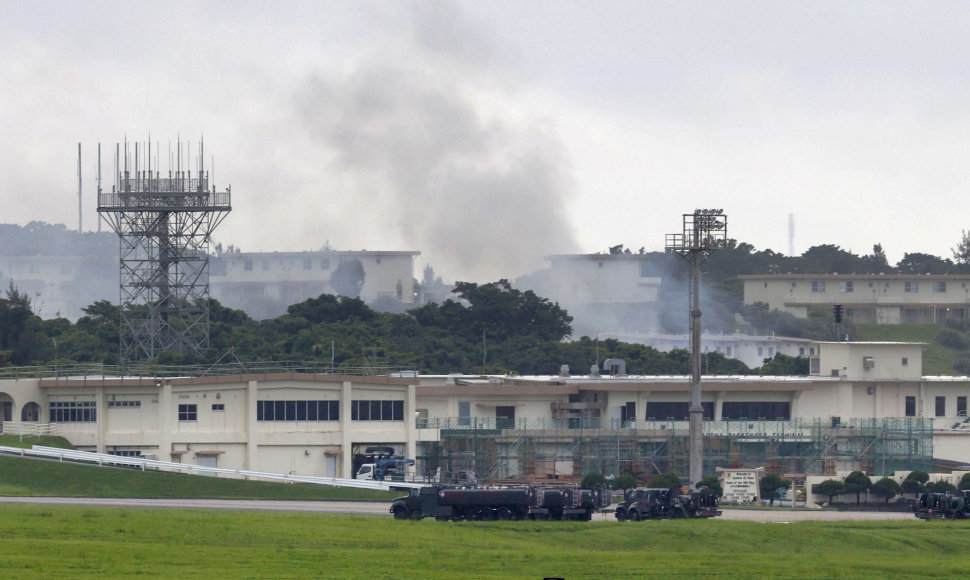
(28, 428)
(102, 459)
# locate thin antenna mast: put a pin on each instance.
(79, 204)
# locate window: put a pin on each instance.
(297, 410)
(248, 265)
(801, 351)
(325, 264)
(911, 287)
(188, 412)
(729, 351)
(464, 413)
(761, 351)
(771, 351)
(74, 412)
(628, 412)
(377, 410)
(845, 286)
(265, 265)
(910, 406)
(218, 406)
(756, 410)
(307, 264)
(128, 404)
(905, 361)
(961, 406)
(677, 411)
(939, 287)
(645, 269)
(910, 315)
(941, 406)
(818, 286)
(125, 453)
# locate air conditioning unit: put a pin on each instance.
(868, 363)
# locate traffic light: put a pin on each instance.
(837, 313)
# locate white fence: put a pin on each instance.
(27, 428)
(102, 459)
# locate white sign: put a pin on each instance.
(740, 486)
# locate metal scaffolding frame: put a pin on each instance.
(164, 225)
(535, 450)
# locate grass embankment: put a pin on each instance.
(33, 477)
(28, 441)
(937, 359)
(45, 542)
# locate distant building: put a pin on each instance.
(867, 298)
(751, 350)
(264, 284)
(599, 290)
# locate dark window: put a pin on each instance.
(628, 412)
(910, 406)
(961, 406)
(678, 411)
(297, 410)
(279, 409)
(301, 410)
(291, 410)
(941, 406)
(770, 410)
(218, 406)
(465, 413)
(188, 412)
(375, 410)
(121, 404)
(74, 412)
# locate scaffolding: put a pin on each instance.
(164, 224)
(541, 449)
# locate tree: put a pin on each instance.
(915, 482)
(857, 482)
(713, 483)
(830, 488)
(886, 488)
(918, 263)
(624, 482)
(961, 253)
(965, 481)
(592, 479)
(668, 480)
(770, 485)
(940, 486)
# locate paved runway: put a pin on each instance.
(780, 515)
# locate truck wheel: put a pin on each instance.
(415, 514)
(400, 512)
(503, 514)
(634, 516)
(620, 515)
(486, 514)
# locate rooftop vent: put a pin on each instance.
(614, 366)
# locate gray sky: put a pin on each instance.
(489, 134)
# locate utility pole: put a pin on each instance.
(704, 231)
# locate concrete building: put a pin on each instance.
(751, 350)
(864, 406)
(867, 298)
(264, 284)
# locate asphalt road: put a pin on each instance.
(780, 515)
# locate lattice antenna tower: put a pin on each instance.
(164, 224)
(704, 231)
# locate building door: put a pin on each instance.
(330, 466)
(208, 461)
(505, 417)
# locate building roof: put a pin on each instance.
(853, 276)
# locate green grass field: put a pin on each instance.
(62, 542)
(24, 477)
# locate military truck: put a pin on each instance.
(521, 502)
(663, 503)
(950, 505)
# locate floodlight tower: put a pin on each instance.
(704, 231)
(164, 225)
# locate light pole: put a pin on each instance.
(704, 231)
(55, 357)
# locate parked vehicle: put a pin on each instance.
(383, 469)
(532, 502)
(950, 505)
(663, 503)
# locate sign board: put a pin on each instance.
(740, 486)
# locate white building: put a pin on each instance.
(864, 405)
(264, 284)
(867, 298)
(749, 349)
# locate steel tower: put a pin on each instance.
(164, 225)
(704, 231)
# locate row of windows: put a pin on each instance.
(307, 264)
(756, 410)
(909, 286)
(74, 412)
(297, 410)
(678, 411)
(112, 404)
(377, 410)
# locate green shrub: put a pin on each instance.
(952, 339)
